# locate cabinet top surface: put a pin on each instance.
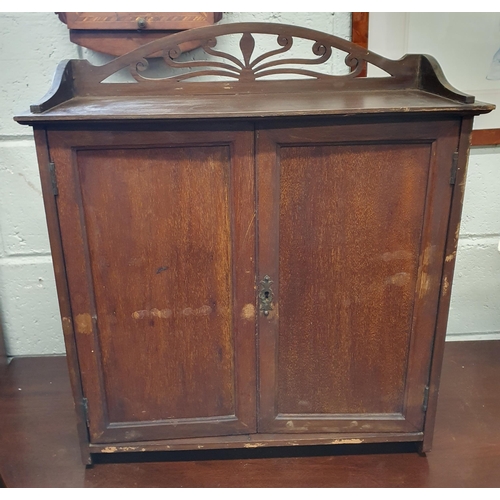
(231, 80)
(249, 106)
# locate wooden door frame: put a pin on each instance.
(98, 428)
(270, 136)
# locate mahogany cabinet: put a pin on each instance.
(244, 261)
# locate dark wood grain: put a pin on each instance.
(348, 265)
(322, 103)
(453, 231)
(54, 230)
(61, 89)
(35, 396)
(164, 325)
(146, 292)
(38, 423)
(342, 322)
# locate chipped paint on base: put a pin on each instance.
(253, 445)
(114, 449)
(347, 441)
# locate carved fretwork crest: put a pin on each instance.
(247, 66)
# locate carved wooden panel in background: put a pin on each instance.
(130, 20)
(117, 33)
(359, 31)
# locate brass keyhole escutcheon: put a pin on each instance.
(266, 296)
(141, 23)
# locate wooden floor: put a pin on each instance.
(39, 446)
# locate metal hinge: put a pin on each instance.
(426, 398)
(454, 168)
(85, 406)
(53, 178)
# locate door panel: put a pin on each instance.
(169, 268)
(347, 271)
(344, 233)
(162, 278)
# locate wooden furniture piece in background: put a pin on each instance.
(359, 28)
(486, 137)
(359, 31)
(117, 33)
(252, 262)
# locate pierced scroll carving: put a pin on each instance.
(245, 71)
(247, 66)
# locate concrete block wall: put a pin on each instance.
(475, 299)
(31, 45)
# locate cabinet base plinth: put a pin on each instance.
(249, 441)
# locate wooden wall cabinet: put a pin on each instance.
(117, 33)
(249, 262)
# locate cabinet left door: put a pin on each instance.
(158, 236)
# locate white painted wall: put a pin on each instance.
(31, 45)
(453, 39)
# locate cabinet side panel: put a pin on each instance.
(447, 279)
(350, 226)
(51, 212)
(159, 233)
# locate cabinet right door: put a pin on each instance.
(352, 224)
